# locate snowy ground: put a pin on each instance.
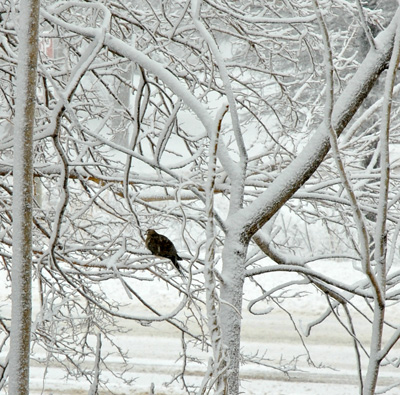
(154, 352)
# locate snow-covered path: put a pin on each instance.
(154, 353)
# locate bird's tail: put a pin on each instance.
(175, 260)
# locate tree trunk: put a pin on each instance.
(233, 256)
(22, 199)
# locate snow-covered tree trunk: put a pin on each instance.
(22, 198)
(233, 256)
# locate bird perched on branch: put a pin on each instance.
(162, 246)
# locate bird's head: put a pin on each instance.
(151, 232)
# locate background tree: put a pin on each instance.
(232, 115)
